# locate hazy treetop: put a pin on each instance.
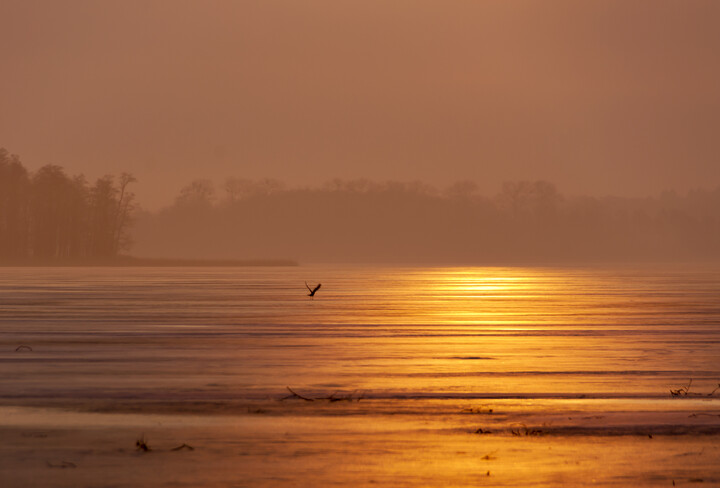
(599, 96)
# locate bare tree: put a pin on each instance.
(199, 193)
(14, 207)
(123, 214)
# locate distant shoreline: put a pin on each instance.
(129, 261)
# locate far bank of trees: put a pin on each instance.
(366, 221)
(47, 216)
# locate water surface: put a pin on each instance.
(556, 353)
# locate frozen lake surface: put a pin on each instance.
(417, 376)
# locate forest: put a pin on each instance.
(361, 221)
(48, 217)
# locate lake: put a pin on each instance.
(409, 376)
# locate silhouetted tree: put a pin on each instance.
(529, 198)
(123, 216)
(237, 189)
(49, 216)
(56, 201)
(461, 190)
(14, 207)
(199, 193)
(103, 217)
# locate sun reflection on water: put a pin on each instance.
(466, 296)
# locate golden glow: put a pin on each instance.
(507, 297)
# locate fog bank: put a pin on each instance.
(394, 222)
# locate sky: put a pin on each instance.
(601, 97)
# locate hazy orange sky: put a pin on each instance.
(600, 97)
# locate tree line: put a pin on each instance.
(413, 222)
(47, 216)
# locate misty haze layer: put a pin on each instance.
(602, 97)
(362, 221)
(48, 217)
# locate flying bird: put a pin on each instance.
(312, 291)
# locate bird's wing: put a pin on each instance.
(317, 287)
(308, 286)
